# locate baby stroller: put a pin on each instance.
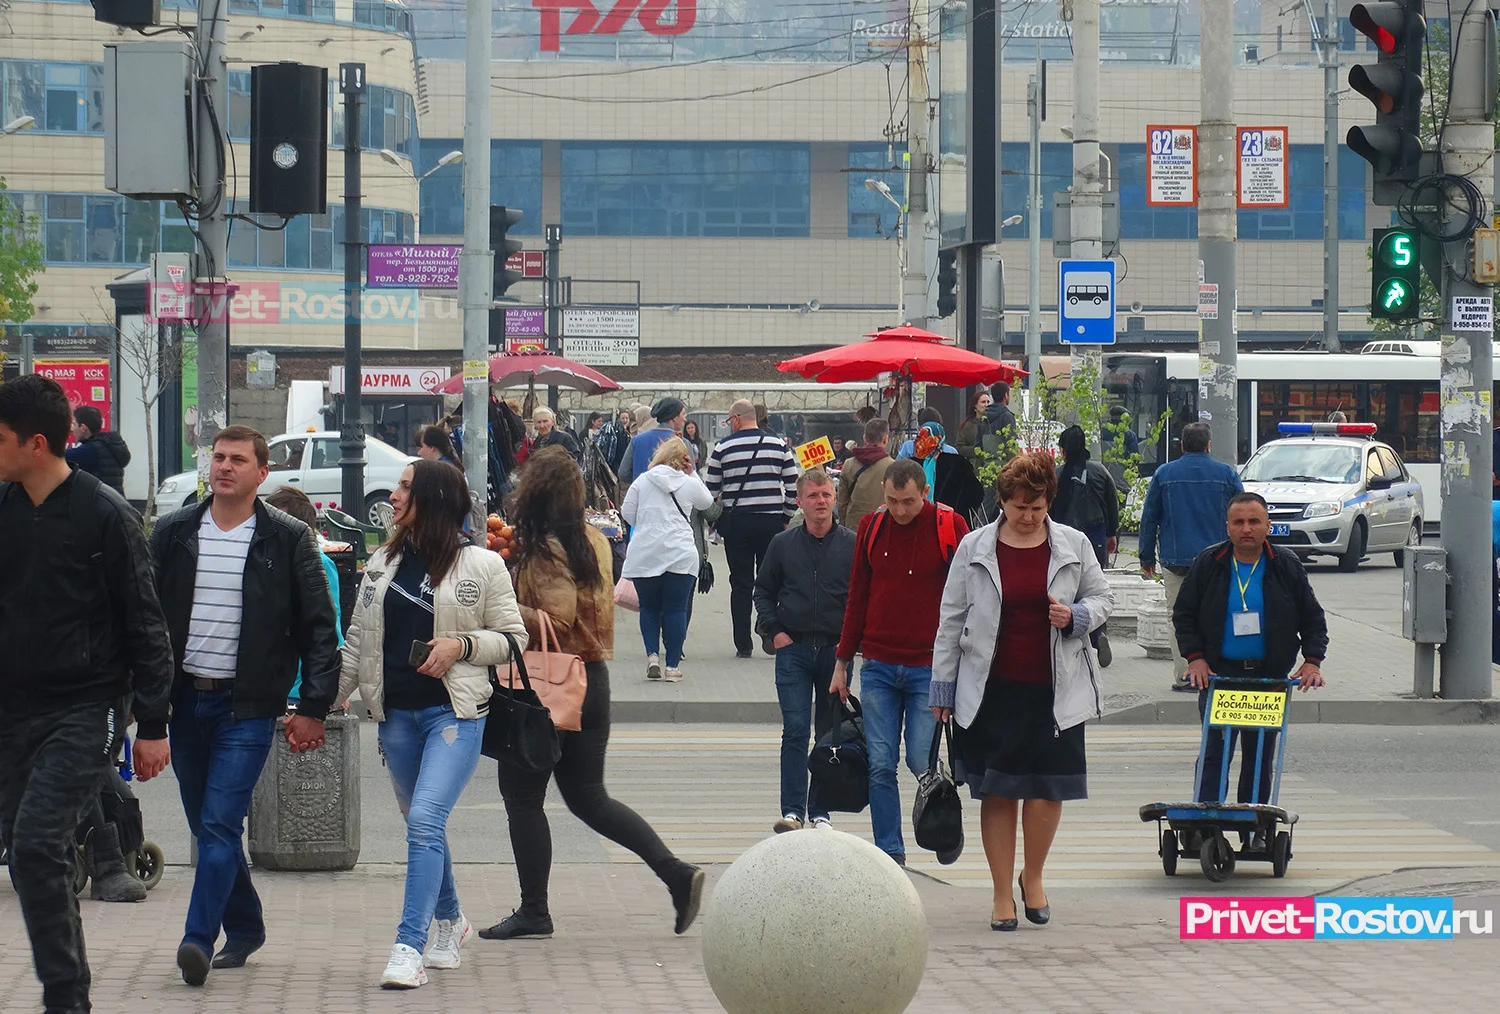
(144, 860)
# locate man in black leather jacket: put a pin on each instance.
(246, 599)
(81, 634)
(800, 594)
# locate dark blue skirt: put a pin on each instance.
(1012, 749)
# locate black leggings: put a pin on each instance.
(580, 778)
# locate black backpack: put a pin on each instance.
(840, 763)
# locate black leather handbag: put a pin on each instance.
(840, 763)
(519, 730)
(937, 815)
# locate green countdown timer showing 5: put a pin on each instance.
(1397, 275)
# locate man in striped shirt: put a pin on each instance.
(754, 474)
(246, 599)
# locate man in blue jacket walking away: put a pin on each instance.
(1184, 515)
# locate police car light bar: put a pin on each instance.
(1328, 429)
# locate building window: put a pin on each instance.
(870, 214)
(1015, 179)
(655, 189)
(108, 229)
(515, 182)
(389, 119)
(239, 105)
(63, 98)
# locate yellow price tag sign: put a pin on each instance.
(814, 453)
(476, 369)
(1251, 709)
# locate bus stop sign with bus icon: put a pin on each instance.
(1086, 302)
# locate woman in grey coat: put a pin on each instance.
(1013, 667)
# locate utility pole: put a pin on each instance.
(352, 435)
(1467, 150)
(213, 233)
(1329, 39)
(476, 263)
(1086, 214)
(1218, 354)
(914, 296)
(1034, 99)
(552, 291)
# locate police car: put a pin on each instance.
(1334, 490)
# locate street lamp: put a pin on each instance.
(880, 187)
(1012, 220)
(390, 156)
(18, 124)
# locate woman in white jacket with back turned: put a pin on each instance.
(431, 618)
(662, 559)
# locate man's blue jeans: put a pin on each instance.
(431, 755)
(890, 694)
(802, 677)
(217, 761)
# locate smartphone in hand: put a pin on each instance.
(419, 652)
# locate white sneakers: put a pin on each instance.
(822, 822)
(407, 968)
(447, 938)
(653, 667)
(404, 970)
(673, 675)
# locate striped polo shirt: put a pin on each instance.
(213, 641)
(753, 472)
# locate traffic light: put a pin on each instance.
(501, 221)
(1396, 278)
(1393, 145)
(947, 280)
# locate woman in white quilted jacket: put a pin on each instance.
(431, 618)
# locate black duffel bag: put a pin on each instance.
(937, 815)
(840, 763)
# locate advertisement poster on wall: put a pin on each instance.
(189, 389)
(84, 381)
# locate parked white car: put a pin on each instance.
(310, 462)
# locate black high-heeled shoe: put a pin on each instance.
(1005, 925)
(1040, 916)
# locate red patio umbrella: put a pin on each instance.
(519, 369)
(909, 352)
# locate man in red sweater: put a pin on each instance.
(895, 587)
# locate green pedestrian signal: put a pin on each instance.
(1396, 275)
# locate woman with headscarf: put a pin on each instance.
(1088, 500)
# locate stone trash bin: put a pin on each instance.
(1154, 631)
(304, 814)
(1132, 591)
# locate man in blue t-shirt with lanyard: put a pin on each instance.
(1246, 609)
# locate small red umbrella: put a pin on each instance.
(909, 352)
(519, 369)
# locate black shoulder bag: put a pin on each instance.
(937, 814)
(519, 730)
(705, 566)
(840, 763)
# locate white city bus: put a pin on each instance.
(1393, 384)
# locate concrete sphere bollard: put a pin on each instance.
(814, 921)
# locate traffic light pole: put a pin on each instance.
(476, 262)
(1086, 215)
(1218, 353)
(1468, 149)
(1330, 40)
(553, 290)
(1034, 234)
(352, 431)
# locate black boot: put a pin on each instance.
(687, 896)
(520, 925)
(108, 878)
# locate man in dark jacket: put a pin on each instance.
(1246, 610)
(246, 600)
(998, 418)
(99, 452)
(84, 646)
(1088, 500)
(800, 593)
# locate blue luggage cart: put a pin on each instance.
(1236, 705)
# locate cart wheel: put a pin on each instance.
(147, 864)
(1216, 858)
(1169, 853)
(80, 871)
(1281, 853)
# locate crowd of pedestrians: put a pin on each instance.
(222, 632)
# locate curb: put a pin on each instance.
(1386, 712)
(696, 712)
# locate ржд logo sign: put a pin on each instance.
(588, 21)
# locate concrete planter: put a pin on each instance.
(1154, 630)
(1131, 592)
(304, 814)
